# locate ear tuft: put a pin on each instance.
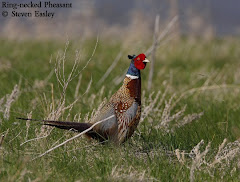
(130, 57)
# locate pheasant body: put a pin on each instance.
(124, 106)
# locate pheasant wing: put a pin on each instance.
(108, 128)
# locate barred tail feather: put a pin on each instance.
(63, 124)
(79, 127)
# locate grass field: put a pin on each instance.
(190, 126)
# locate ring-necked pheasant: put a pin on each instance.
(124, 106)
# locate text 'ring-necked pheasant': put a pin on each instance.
(124, 106)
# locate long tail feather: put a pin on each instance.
(63, 124)
(67, 125)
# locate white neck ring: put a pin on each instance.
(132, 77)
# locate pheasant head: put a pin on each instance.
(137, 63)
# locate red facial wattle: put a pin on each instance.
(138, 61)
(139, 65)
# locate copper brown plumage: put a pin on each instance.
(124, 107)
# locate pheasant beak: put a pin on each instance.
(146, 61)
